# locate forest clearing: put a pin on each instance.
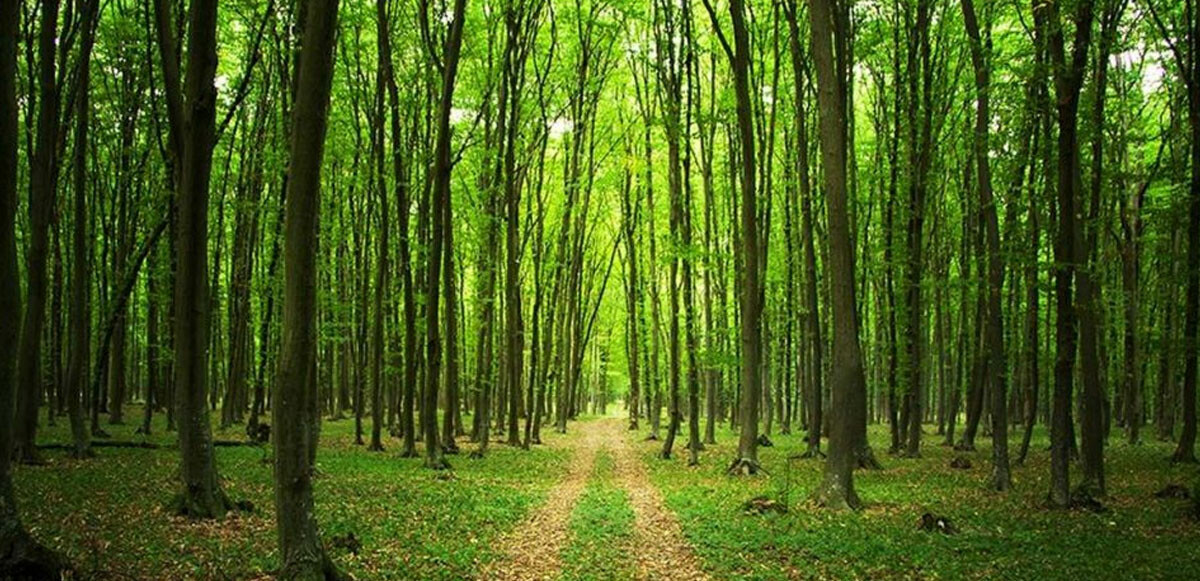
(599, 289)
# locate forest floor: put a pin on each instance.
(598, 503)
(1000, 535)
(108, 514)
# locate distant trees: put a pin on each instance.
(1179, 28)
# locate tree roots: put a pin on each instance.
(195, 507)
(866, 459)
(744, 467)
(809, 454)
(436, 463)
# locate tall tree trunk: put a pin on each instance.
(1068, 78)
(20, 555)
(671, 53)
(202, 496)
(813, 344)
(751, 295)
(847, 445)
(692, 344)
(450, 295)
(1033, 377)
(296, 409)
(997, 364)
(153, 389)
(1088, 301)
(1185, 50)
(383, 249)
(630, 210)
(514, 64)
(442, 165)
(43, 186)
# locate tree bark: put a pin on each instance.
(848, 412)
(750, 294)
(20, 555)
(43, 186)
(997, 364)
(1068, 78)
(442, 165)
(202, 496)
(296, 411)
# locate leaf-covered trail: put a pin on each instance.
(533, 550)
(662, 553)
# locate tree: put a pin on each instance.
(673, 49)
(384, 248)
(1068, 79)
(1181, 33)
(848, 412)
(296, 411)
(43, 187)
(994, 330)
(20, 555)
(813, 344)
(77, 365)
(442, 165)
(202, 496)
(751, 293)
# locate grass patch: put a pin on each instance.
(107, 514)
(1009, 536)
(601, 529)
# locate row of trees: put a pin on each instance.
(492, 217)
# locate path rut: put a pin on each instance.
(533, 550)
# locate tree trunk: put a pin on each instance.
(1068, 78)
(43, 186)
(20, 555)
(751, 294)
(201, 496)
(296, 409)
(384, 248)
(847, 443)
(1088, 279)
(442, 165)
(997, 364)
(1185, 451)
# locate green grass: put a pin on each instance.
(107, 514)
(601, 529)
(1003, 536)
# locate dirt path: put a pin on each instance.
(533, 550)
(662, 552)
